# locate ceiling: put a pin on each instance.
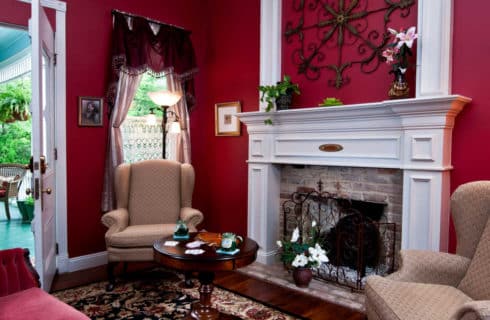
(12, 42)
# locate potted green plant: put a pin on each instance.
(26, 208)
(280, 94)
(330, 102)
(14, 101)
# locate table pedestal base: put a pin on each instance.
(203, 310)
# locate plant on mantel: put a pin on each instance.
(330, 102)
(280, 94)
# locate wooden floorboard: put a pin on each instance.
(283, 298)
(287, 300)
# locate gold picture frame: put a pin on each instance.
(90, 111)
(226, 123)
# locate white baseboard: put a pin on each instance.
(66, 264)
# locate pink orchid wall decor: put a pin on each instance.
(396, 54)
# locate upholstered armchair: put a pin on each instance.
(20, 295)
(437, 285)
(151, 196)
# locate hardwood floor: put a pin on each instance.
(295, 303)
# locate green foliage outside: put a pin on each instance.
(15, 137)
(15, 97)
(142, 103)
(15, 146)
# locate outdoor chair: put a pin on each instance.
(439, 285)
(151, 196)
(11, 176)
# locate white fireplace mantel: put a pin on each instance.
(410, 134)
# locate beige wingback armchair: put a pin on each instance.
(436, 285)
(151, 196)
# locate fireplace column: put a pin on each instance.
(263, 208)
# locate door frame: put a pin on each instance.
(62, 259)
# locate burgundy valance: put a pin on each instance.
(140, 45)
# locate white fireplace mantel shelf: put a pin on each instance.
(410, 134)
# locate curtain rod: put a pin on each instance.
(149, 19)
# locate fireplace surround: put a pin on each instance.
(413, 135)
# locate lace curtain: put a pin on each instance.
(142, 45)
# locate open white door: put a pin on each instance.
(43, 152)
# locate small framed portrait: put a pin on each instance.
(226, 123)
(90, 111)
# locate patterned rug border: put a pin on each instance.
(242, 305)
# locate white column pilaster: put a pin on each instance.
(263, 209)
(434, 48)
(270, 43)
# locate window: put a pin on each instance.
(141, 140)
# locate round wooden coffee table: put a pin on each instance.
(206, 264)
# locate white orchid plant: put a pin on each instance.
(299, 254)
(397, 52)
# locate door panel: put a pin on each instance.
(42, 127)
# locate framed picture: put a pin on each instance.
(90, 111)
(226, 123)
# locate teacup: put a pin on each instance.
(229, 241)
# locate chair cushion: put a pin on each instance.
(36, 304)
(392, 299)
(154, 192)
(140, 236)
(476, 281)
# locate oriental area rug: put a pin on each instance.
(158, 294)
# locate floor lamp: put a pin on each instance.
(164, 99)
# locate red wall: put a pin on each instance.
(362, 87)
(88, 51)
(471, 154)
(231, 74)
(225, 34)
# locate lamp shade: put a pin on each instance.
(164, 97)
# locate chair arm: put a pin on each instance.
(192, 217)
(473, 310)
(116, 220)
(431, 267)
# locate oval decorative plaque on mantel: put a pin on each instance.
(331, 147)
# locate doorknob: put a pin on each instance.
(48, 191)
(35, 165)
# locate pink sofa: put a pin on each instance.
(20, 295)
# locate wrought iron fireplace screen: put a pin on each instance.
(357, 240)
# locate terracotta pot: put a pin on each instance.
(302, 277)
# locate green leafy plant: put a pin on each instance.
(15, 146)
(29, 200)
(330, 102)
(15, 98)
(270, 93)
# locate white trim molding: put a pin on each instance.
(270, 42)
(434, 51)
(85, 262)
(413, 135)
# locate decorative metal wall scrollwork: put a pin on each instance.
(339, 24)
